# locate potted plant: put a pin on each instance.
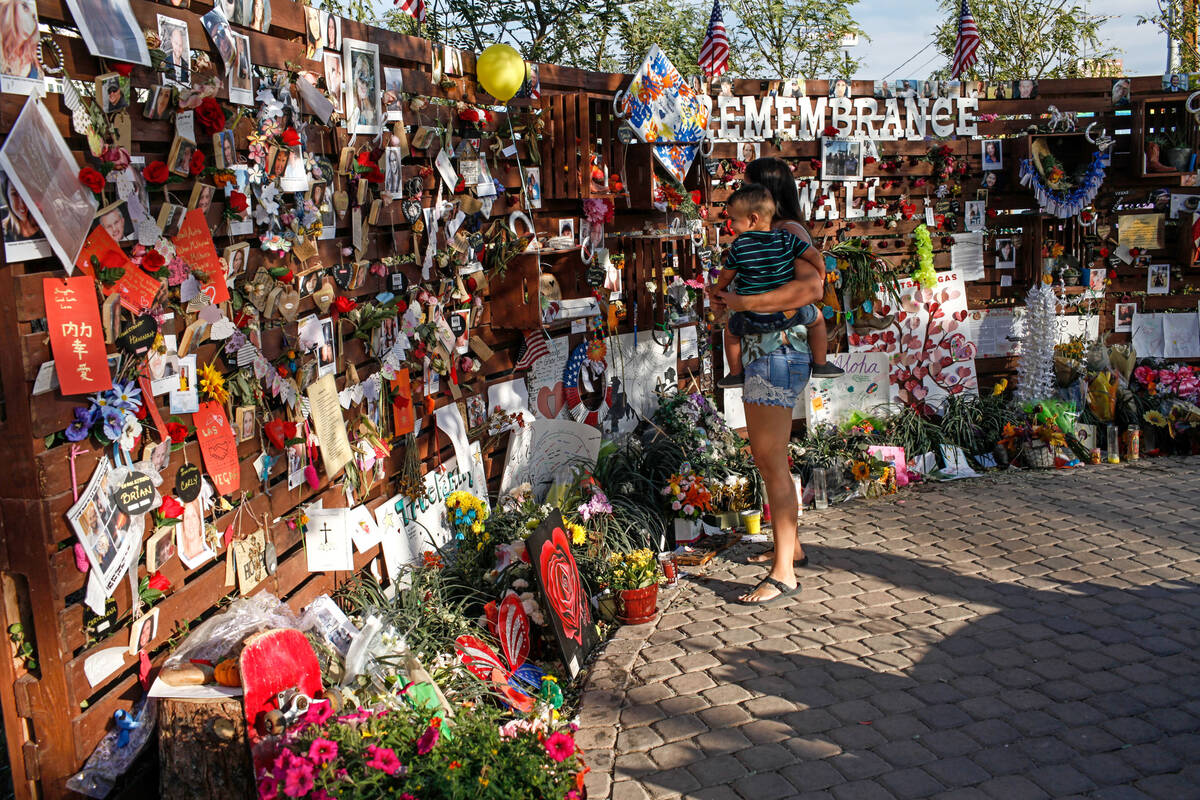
(1175, 151)
(688, 497)
(634, 577)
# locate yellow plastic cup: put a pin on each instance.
(752, 521)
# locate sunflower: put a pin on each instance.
(1156, 419)
(212, 383)
(860, 470)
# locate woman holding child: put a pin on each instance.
(777, 325)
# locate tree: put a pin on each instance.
(1178, 20)
(678, 29)
(1027, 38)
(785, 38)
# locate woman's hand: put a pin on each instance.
(722, 300)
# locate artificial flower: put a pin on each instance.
(196, 165)
(92, 179)
(131, 429)
(114, 424)
(177, 432)
(560, 746)
(238, 203)
(212, 383)
(344, 305)
(126, 395)
(289, 137)
(116, 157)
(122, 69)
(159, 582)
(170, 508)
(78, 430)
(156, 172)
(153, 261)
(210, 116)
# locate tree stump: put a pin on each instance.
(194, 760)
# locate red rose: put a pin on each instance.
(113, 259)
(374, 176)
(237, 202)
(153, 261)
(210, 116)
(564, 592)
(156, 172)
(177, 432)
(343, 305)
(196, 165)
(869, 160)
(830, 130)
(290, 137)
(159, 582)
(122, 69)
(1104, 252)
(401, 306)
(92, 179)
(171, 508)
(1135, 251)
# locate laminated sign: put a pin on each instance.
(76, 334)
(659, 106)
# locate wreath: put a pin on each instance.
(590, 356)
(1058, 193)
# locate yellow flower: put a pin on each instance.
(212, 383)
(578, 534)
(860, 470)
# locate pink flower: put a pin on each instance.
(268, 789)
(318, 713)
(299, 779)
(428, 739)
(357, 716)
(560, 746)
(383, 759)
(322, 751)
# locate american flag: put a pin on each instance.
(714, 53)
(414, 8)
(535, 348)
(967, 44)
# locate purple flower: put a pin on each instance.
(114, 423)
(299, 779)
(126, 395)
(78, 430)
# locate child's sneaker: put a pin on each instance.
(827, 370)
(732, 381)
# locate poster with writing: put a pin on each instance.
(137, 289)
(1144, 231)
(540, 450)
(546, 379)
(931, 355)
(76, 334)
(1181, 335)
(997, 332)
(634, 373)
(864, 388)
(194, 244)
(328, 546)
(1148, 340)
(218, 445)
(326, 411)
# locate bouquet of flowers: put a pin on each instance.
(635, 570)
(688, 495)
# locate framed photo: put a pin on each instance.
(839, 87)
(116, 220)
(566, 229)
(364, 112)
(178, 64)
(333, 30)
(235, 258)
(335, 80)
(170, 218)
(224, 150)
(277, 160)
(112, 92)
(245, 423)
(217, 25)
(1123, 317)
(20, 72)
(202, 197)
(180, 159)
(23, 239)
(533, 186)
(1121, 92)
(142, 634)
(110, 30)
(241, 183)
(1006, 254)
(46, 175)
(327, 349)
(241, 75)
(393, 174)
(841, 159)
(993, 154)
(160, 548)
(1158, 279)
(314, 33)
(192, 544)
(393, 94)
(1175, 82)
(974, 214)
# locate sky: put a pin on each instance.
(899, 28)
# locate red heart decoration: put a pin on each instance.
(279, 431)
(550, 401)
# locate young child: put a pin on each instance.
(759, 260)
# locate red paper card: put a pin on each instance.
(402, 409)
(152, 406)
(218, 446)
(76, 334)
(194, 244)
(137, 289)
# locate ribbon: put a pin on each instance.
(1064, 204)
(126, 725)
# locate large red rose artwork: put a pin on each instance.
(563, 589)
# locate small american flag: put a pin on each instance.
(414, 8)
(714, 53)
(967, 44)
(535, 348)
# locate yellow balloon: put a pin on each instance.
(501, 71)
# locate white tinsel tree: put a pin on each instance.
(1035, 370)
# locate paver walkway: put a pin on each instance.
(1019, 637)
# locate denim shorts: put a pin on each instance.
(743, 323)
(778, 378)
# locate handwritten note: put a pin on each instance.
(218, 445)
(1144, 231)
(327, 417)
(137, 289)
(865, 386)
(194, 244)
(76, 334)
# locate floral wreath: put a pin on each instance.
(1063, 202)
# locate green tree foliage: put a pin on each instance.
(1178, 20)
(1027, 38)
(785, 38)
(677, 28)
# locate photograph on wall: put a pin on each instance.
(109, 535)
(112, 92)
(1006, 254)
(20, 72)
(1123, 317)
(332, 24)
(841, 159)
(1158, 279)
(364, 110)
(393, 93)
(218, 29)
(192, 544)
(173, 33)
(241, 76)
(110, 30)
(46, 175)
(993, 154)
(254, 14)
(335, 80)
(143, 631)
(23, 239)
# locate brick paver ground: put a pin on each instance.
(1019, 637)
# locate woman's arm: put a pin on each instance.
(808, 286)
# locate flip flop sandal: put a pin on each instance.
(785, 592)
